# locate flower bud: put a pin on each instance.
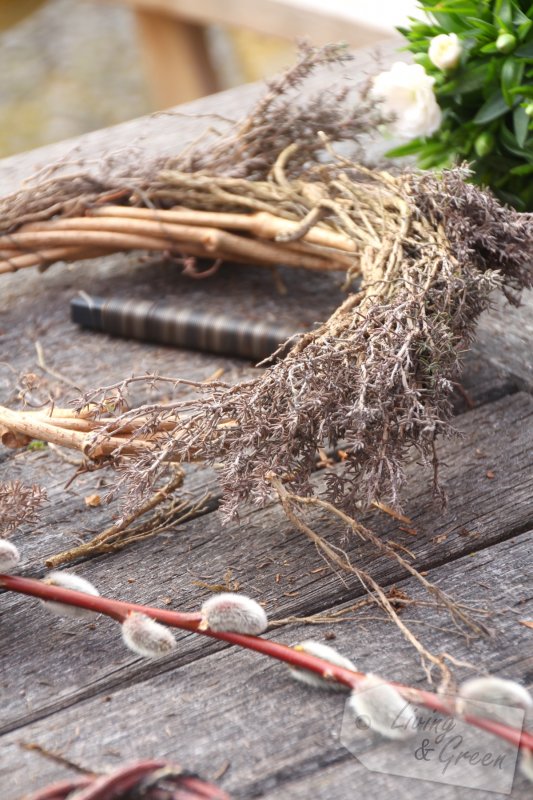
(9, 556)
(506, 42)
(67, 580)
(382, 708)
(146, 637)
(498, 693)
(484, 144)
(525, 764)
(445, 51)
(233, 613)
(327, 653)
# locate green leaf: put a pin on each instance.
(408, 149)
(450, 23)
(523, 89)
(511, 75)
(510, 143)
(525, 50)
(524, 29)
(511, 199)
(493, 108)
(464, 82)
(503, 11)
(485, 27)
(489, 48)
(519, 18)
(520, 125)
(522, 169)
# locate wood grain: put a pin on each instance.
(236, 711)
(74, 688)
(270, 561)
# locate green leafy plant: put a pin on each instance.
(486, 96)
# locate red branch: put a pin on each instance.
(106, 787)
(118, 610)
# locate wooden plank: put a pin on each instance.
(177, 59)
(164, 135)
(268, 559)
(234, 715)
(283, 18)
(55, 688)
(505, 335)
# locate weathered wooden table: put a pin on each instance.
(74, 691)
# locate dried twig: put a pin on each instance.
(124, 532)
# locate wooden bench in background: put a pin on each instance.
(177, 56)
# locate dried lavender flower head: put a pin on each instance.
(146, 637)
(19, 504)
(233, 612)
(9, 556)
(493, 697)
(382, 708)
(327, 653)
(67, 580)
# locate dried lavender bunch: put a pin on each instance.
(19, 504)
(247, 150)
(280, 118)
(378, 374)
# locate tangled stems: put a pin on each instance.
(194, 622)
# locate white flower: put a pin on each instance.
(9, 556)
(445, 51)
(146, 637)
(325, 652)
(233, 612)
(382, 708)
(67, 580)
(490, 697)
(406, 93)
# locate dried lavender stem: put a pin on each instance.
(119, 610)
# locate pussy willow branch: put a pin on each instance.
(119, 610)
(143, 776)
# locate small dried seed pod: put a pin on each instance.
(9, 556)
(382, 708)
(236, 613)
(146, 637)
(67, 580)
(498, 693)
(327, 653)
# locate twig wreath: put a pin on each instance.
(425, 249)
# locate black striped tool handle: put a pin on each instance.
(166, 323)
